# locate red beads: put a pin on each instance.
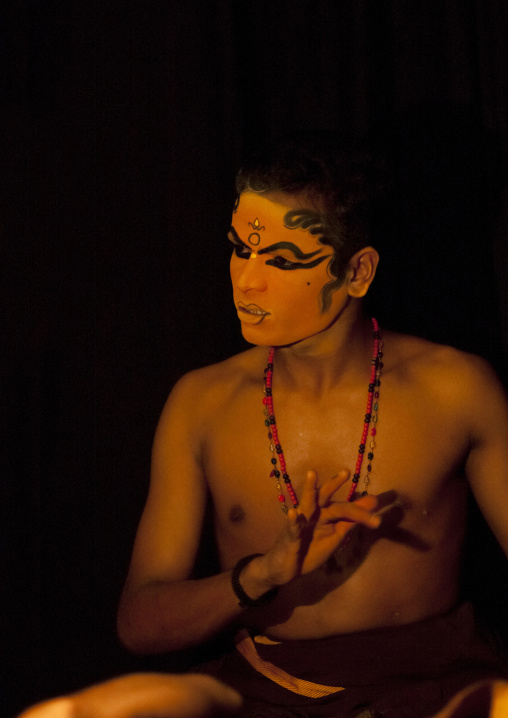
(370, 413)
(369, 418)
(273, 436)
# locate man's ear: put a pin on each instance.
(362, 270)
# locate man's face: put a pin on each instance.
(278, 274)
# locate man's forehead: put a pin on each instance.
(258, 217)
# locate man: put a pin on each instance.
(367, 440)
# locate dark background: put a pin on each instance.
(122, 126)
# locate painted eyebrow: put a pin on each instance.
(292, 247)
(233, 231)
(279, 245)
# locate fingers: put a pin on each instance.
(352, 512)
(298, 518)
(327, 491)
(313, 497)
(294, 524)
(308, 494)
(369, 502)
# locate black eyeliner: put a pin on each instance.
(297, 265)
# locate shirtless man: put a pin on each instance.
(357, 575)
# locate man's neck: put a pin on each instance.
(341, 354)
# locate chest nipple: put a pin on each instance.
(236, 514)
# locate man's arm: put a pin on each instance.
(487, 463)
(161, 608)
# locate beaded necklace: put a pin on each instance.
(371, 417)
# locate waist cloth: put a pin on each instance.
(407, 671)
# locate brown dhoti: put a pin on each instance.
(403, 672)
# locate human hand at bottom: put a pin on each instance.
(145, 695)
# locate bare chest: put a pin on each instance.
(415, 450)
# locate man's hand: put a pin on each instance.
(316, 529)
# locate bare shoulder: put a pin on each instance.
(226, 375)
(204, 391)
(196, 402)
(439, 378)
(443, 366)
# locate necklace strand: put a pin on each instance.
(371, 417)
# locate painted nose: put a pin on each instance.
(251, 275)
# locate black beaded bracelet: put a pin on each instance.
(246, 601)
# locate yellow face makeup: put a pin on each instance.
(278, 271)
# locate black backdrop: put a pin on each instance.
(122, 124)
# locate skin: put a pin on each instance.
(286, 270)
(487, 699)
(389, 558)
(144, 695)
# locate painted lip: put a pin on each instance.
(251, 313)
